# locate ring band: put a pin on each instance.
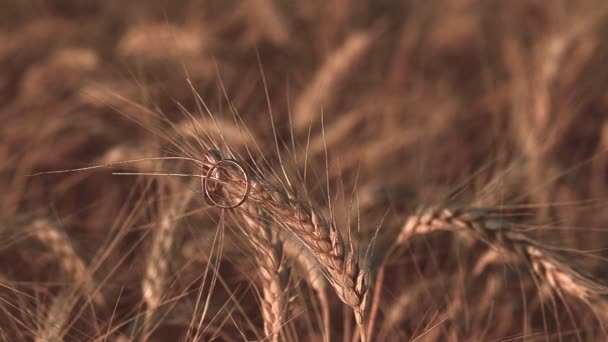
(207, 176)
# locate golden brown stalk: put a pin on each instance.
(540, 122)
(272, 270)
(324, 241)
(157, 268)
(492, 256)
(63, 72)
(533, 118)
(216, 129)
(71, 263)
(267, 20)
(335, 70)
(309, 264)
(56, 318)
(306, 225)
(563, 277)
(373, 152)
(314, 275)
(170, 42)
(500, 235)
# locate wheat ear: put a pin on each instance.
(500, 234)
(331, 75)
(56, 318)
(306, 225)
(272, 270)
(157, 267)
(71, 263)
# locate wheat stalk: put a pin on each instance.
(314, 275)
(328, 78)
(56, 318)
(216, 130)
(71, 263)
(501, 236)
(157, 267)
(322, 239)
(271, 265)
(264, 17)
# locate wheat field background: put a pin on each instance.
(273, 170)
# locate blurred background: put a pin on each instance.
(412, 103)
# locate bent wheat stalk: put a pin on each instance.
(71, 263)
(303, 222)
(501, 236)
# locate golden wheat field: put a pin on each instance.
(274, 170)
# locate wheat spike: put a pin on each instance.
(501, 236)
(328, 78)
(306, 225)
(56, 318)
(71, 263)
(272, 270)
(157, 268)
